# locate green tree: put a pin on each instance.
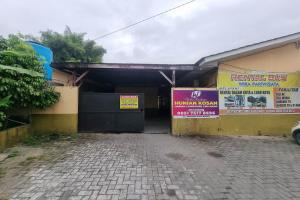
(22, 81)
(72, 47)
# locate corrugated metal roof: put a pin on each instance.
(71, 65)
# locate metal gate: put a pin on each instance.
(108, 112)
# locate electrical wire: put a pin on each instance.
(143, 20)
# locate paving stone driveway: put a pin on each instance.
(144, 166)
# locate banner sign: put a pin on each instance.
(129, 102)
(195, 103)
(287, 98)
(258, 92)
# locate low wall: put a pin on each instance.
(61, 117)
(273, 125)
(58, 123)
(12, 136)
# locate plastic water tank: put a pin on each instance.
(46, 56)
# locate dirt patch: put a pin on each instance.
(10, 169)
(21, 159)
(171, 192)
(176, 156)
(4, 198)
(3, 156)
(215, 154)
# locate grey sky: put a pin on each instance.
(182, 36)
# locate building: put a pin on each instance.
(273, 57)
(252, 90)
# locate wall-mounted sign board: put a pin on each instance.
(129, 102)
(195, 103)
(258, 92)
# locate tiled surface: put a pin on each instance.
(145, 166)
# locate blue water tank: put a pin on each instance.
(46, 56)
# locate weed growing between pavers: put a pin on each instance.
(37, 140)
(43, 150)
(13, 154)
(2, 173)
(28, 161)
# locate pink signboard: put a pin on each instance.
(195, 103)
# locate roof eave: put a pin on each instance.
(250, 49)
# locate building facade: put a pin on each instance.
(257, 88)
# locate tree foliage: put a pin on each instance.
(72, 47)
(21, 77)
(4, 104)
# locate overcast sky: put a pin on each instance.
(185, 35)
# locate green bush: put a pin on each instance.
(22, 77)
(4, 104)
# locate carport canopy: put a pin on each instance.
(179, 75)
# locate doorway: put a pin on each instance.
(157, 101)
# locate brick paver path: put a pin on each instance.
(144, 166)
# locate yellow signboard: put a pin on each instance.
(129, 102)
(258, 92)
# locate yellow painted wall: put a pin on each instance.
(68, 102)
(282, 59)
(61, 117)
(62, 77)
(12, 136)
(274, 125)
(54, 123)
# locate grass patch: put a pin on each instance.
(72, 137)
(39, 139)
(2, 173)
(13, 154)
(28, 161)
(36, 140)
